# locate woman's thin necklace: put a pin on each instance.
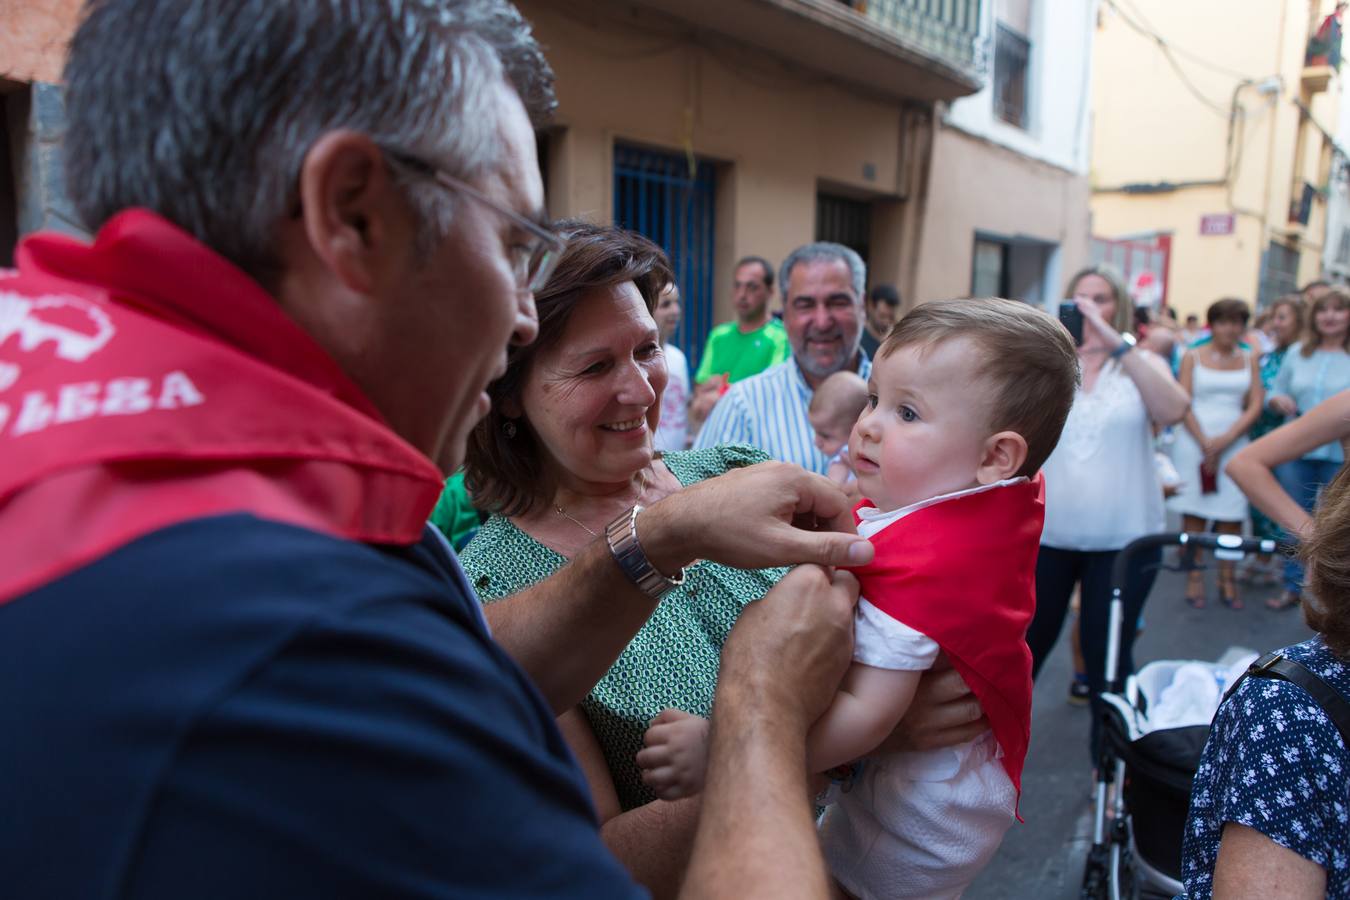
(562, 512)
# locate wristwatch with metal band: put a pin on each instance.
(621, 535)
(1126, 345)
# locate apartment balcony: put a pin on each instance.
(904, 49)
(1316, 79)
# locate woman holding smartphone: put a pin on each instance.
(1101, 486)
(1224, 380)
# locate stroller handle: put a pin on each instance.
(1222, 543)
(1205, 540)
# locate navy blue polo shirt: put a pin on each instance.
(236, 708)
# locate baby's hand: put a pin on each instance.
(674, 758)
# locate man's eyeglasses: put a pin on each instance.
(532, 263)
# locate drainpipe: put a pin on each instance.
(1270, 146)
(920, 167)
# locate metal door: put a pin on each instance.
(657, 195)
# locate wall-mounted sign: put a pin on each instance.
(1216, 224)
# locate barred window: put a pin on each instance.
(1012, 55)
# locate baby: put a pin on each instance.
(966, 400)
(834, 408)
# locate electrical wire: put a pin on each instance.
(1165, 47)
(1181, 51)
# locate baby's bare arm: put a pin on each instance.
(674, 758)
(869, 704)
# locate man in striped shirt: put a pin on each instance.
(822, 287)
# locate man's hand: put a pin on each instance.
(944, 713)
(780, 668)
(789, 649)
(770, 514)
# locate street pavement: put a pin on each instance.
(1043, 858)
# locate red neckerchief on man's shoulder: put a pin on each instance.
(146, 381)
(963, 572)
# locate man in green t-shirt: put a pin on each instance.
(454, 514)
(754, 340)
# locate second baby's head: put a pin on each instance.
(835, 406)
(963, 393)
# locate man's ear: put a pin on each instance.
(352, 210)
(1004, 455)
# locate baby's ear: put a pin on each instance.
(1004, 455)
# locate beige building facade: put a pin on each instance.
(1000, 223)
(805, 119)
(802, 119)
(725, 128)
(1219, 137)
(721, 128)
(1008, 194)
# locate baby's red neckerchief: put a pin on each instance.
(963, 572)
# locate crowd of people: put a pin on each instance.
(656, 611)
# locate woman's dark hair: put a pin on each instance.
(1229, 309)
(505, 474)
(1326, 602)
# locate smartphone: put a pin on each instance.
(1072, 318)
(1209, 480)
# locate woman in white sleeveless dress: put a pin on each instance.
(1224, 380)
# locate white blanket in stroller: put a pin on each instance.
(1179, 693)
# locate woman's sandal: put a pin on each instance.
(1228, 596)
(1195, 591)
(1287, 600)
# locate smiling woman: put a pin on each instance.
(568, 447)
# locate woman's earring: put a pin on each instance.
(509, 427)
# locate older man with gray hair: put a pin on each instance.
(236, 661)
(822, 286)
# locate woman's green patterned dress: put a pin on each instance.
(673, 659)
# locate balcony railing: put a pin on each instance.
(911, 49)
(946, 28)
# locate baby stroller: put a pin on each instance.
(1137, 828)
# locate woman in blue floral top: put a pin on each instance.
(1270, 806)
(1274, 773)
